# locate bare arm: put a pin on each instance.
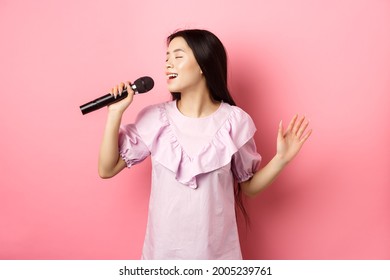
(289, 144)
(110, 162)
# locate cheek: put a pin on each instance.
(191, 76)
(187, 64)
(190, 69)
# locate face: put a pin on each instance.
(182, 70)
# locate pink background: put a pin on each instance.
(327, 59)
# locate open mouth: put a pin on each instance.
(171, 76)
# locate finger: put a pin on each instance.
(115, 91)
(130, 91)
(128, 87)
(298, 125)
(302, 128)
(120, 88)
(307, 135)
(280, 130)
(291, 124)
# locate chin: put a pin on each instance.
(173, 89)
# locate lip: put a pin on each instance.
(170, 73)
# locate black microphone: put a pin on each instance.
(141, 85)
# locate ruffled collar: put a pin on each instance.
(237, 129)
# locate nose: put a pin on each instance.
(169, 63)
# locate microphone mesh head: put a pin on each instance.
(144, 84)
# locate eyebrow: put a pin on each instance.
(176, 50)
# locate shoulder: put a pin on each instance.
(149, 111)
(238, 116)
(153, 113)
(239, 111)
(150, 120)
(239, 125)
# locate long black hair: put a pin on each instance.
(210, 54)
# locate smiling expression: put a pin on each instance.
(182, 70)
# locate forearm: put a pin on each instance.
(109, 152)
(289, 143)
(264, 177)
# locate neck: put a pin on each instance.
(197, 104)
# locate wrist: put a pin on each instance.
(280, 161)
(114, 112)
(114, 116)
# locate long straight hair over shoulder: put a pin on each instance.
(211, 56)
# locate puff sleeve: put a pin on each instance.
(136, 140)
(246, 161)
(132, 149)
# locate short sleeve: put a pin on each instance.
(136, 141)
(246, 161)
(131, 147)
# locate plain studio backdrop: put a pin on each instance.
(329, 60)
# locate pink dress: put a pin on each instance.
(194, 164)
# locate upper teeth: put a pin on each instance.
(172, 75)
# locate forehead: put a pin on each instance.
(178, 44)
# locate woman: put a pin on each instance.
(200, 144)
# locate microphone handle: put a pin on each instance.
(103, 101)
